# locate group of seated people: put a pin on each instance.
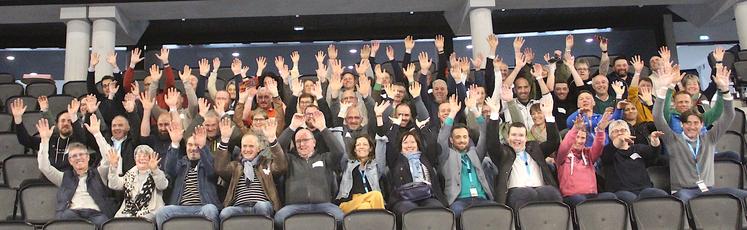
(278, 143)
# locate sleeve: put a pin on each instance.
(721, 125)
(129, 78)
(212, 89)
(481, 142)
(206, 159)
(667, 110)
(660, 121)
(25, 139)
(420, 109)
(285, 139)
(442, 65)
(380, 156)
(565, 146)
(91, 85)
(52, 174)
(200, 88)
(325, 110)
(443, 139)
(336, 149)
(222, 164)
(115, 181)
(494, 142)
(553, 137)
(597, 146)
(170, 79)
(489, 75)
(710, 116)
(191, 99)
(172, 156)
(162, 183)
(279, 159)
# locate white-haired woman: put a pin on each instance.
(143, 184)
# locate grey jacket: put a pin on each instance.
(374, 170)
(312, 180)
(451, 163)
(682, 167)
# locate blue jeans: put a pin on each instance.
(209, 211)
(96, 217)
(517, 197)
(574, 200)
(686, 194)
(292, 209)
(463, 203)
(260, 208)
(631, 196)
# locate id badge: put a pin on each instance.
(473, 192)
(702, 186)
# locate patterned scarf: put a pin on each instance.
(416, 169)
(139, 206)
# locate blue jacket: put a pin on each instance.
(591, 123)
(177, 168)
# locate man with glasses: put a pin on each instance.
(309, 180)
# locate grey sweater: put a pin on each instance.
(682, 166)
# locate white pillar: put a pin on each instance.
(481, 25)
(740, 15)
(102, 42)
(76, 49)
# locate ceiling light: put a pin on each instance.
(298, 15)
(10, 58)
(503, 10)
(298, 28)
(589, 40)
(350, 67)
(184, 19)
(352, 51)
(469, 47)
(235, 54)
(704, 37)
(32, 73)
(412, 12)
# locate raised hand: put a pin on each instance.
(185, 74)
(203, 106)
(172, 98)
(537, 71)
(492, 43)
(135, 57)
(113, 158)
(319, 121)
(153, 162)
(579, 124)
(94, 60)
(415, 89)
(364, 86)
(297, 120)
(271, 127)
(95, 125)
(637, 64)
(518, 43)
(135, 88)
(319, 57)
(335, 84)
(421, 124)
(336, 66)
(618, 87)
(226, 129)
(365, 51)
(204, 66)
(129, 102)
(381, 107)
(295, 57)
(546, 107)
(113, 89)
(380, 74)
(390, 53)
(176, 132)
(261, 64)
(147, 101)
(389, 90)
(332, 51)
(236, 66)
(425, 63)
(42, 126)
(375, 47)
(362, 67)
(216, 64)
(454, 106)
(722, 78)
(155, 73)
(43, 103)
(72, 108)
(602, 43)
(665, 54)
(163, 56)
(17, 108)
(477, 61)
(409, 72)
(507, 94)
(297, 87)
(439, 43)
(605, 121)
(528, 54)
(493, 103)
(471, 101)
(409, 43)
(91, 102)
(646, 95)
(569, 41)
(718, 54)
(200, 136)
(112, 59)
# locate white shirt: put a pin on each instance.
(117, 146)
(524, 110)
(82, 199)
(519, 176)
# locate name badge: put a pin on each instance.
(473, 192)
(317, 164)
(561, 110)
(635, 156)
(702, 186)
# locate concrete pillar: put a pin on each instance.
(740, 16)
(102, 41)
(77, 41)
(481, 25)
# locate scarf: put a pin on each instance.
(416, 167)
(249, 168)
(139, 205)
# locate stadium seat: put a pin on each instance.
(37, 89)
(225, 74)
(140, 75)
(9, 90)
(737, 124)
(18, 168)
(7, 202)
(6, 122)
(728, 174)
(38, 202)
(428, 218)
(15, 225)
(369, 220)
(187, 222)
(69, 225)
(593, 69)
(30, 102)
(710, 211)
(602, 215)
(29, 121)
(740, 68)
(659, 177)
(6, 78)
(487, 217)
(303, 221)
(258, 222)
(545, 215)
(127, 223)
(9, 146)
(742, 55)
(659, 213)
(75, 88)
(731, 141)
(58, 103)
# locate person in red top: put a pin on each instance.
(129, 76)
(575, 162)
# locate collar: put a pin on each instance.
(115, 139)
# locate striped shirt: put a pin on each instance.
(247, 195)
(191, 195)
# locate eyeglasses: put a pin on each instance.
(304, 140)
(77, 155)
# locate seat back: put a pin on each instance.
(258, 222)
(127, 223)
(602, 215)
(496, 217)
(659, 213)
(369, 220)
(6, 122)
(305, 221)
(730, 141)
(38, 202)
(10, 90)
(740, 68)
(659, 177)
(18, 168)
(7, 202)
(75, 88)
(7, 78)
(428, 218)
(728, 174)
(15, 225)
(737, 124)
(593, 60)
(140, 75)
(713, 211)
(30, 119)
(10, 146)
(30, 103)
(58, 103)
(37, 89)
(545, 215)
(69, 225)
(187, 222)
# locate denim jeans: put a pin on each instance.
(517, 197)
(631, 196)
(96, 217)
(461, 204)
(260, 208)
(292, 209)
(574, 200)
(209, 211)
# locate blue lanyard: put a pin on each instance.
(364, 181)
(694, 153)
(469, 169)
(525, 158)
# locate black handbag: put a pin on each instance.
(415, 191)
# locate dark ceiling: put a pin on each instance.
(67, 2)
(346, 27)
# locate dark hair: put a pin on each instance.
(680, 93)
(305, 95)
(60, 115)
(517, 124)
(621, 57)
(310, 106)
(107, 77)
(415, 135)
(689, 113)
(370, 150)
(459, 126)
(646, 79)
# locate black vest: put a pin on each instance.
(96, 188)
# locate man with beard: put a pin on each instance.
(620, 71)
(159, 141)
(350, 117)
(123, 138)
(68, 127)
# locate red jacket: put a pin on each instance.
(129, 78)
(576, 166)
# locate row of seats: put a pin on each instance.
(711, 211)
